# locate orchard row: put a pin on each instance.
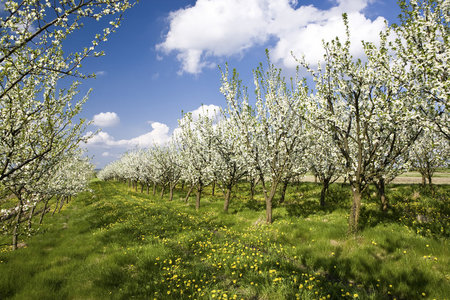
(40, 159)
(364, 120)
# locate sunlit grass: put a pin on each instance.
(119, 244)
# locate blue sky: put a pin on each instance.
(163, 59)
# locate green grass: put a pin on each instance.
(114, 243)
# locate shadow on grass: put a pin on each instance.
(425, 211)
(307, 203)
(405, 281)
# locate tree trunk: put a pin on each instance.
(135, 186)
(154, 188)
(252, 188)
(189, 193)
(182, 186)
(30, 216)
(148, 188)
(142, 187)
(213, 187)
(355, 210)
(424, 180)
(269, 198)
(283, 191)
(323, 192)
(16, 226)
(199, 195)
(344, 182)
(171, 188)
(56, 205)
(381, 187)
(61, 204)
(163, 188)
(227, 198)
(43, 212)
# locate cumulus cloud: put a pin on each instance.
(106, 119)
(100, 73)
(218, 28)
(211, 111)
(157, 136)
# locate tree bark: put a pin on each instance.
(56, 205)
(43, 212)
(30, 216)
(199, 195)
(269, 198)
(189, 193)
(252, 188)
(154, 188)
(148, 188)
(381, 189)
(323, 192)
(227, 198)
(171, 188)
(213, 187)
(142, 187)
(163, 187)
(61, 204)
(355, 210)
(283, 191)
(16, 226)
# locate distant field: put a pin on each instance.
(406, 178)
(115, 243)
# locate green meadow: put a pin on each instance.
(116, 243)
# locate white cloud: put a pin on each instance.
(211, 111)
(308, 40)
(157, 136)
(100, 139)
(106, 119)
(101, 73)
(217, 28)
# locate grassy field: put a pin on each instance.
(115, 243)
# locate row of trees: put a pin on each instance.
(363, 120)
(39, 130)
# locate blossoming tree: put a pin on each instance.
(271, 134)
(368, 115)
